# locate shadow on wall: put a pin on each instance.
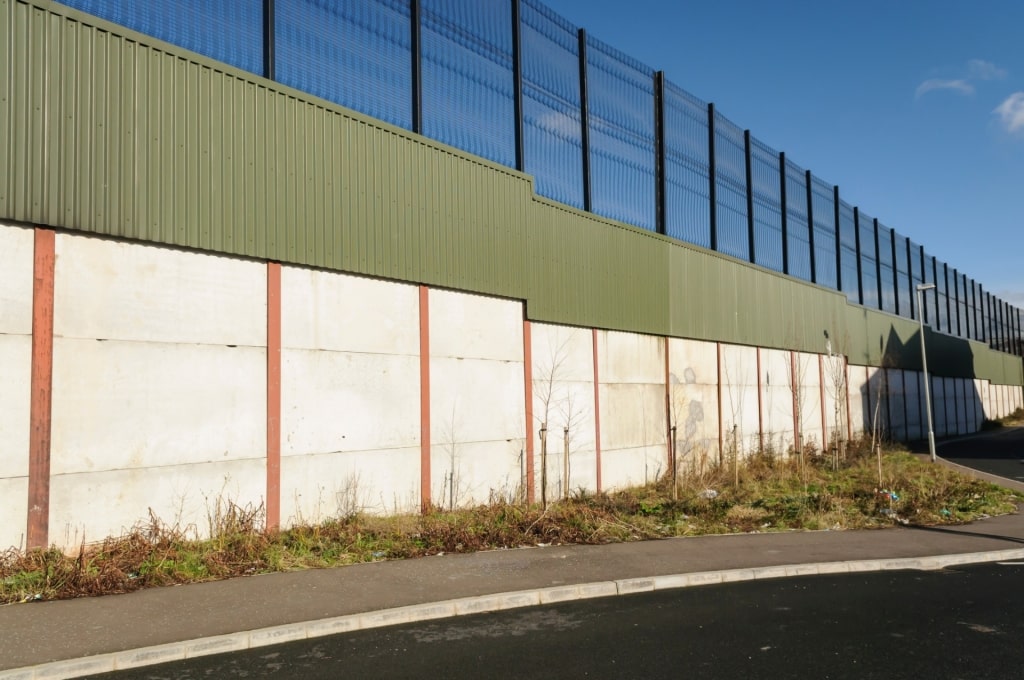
(893, 396)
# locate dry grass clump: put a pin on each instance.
(766, 493)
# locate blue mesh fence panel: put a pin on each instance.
(848, 252)
(965, 308)
(552, 134)
(972, 306)
(225, 30)
(868, 260)
(352, 52)
(942, 318)
(823, 206)
(467, 76)
(731, 188)
(952, 291)
(687, 195)
(886, 271)
(916, 275)
(798, 241)
(767, 191)
(903, 287)
(620, 105)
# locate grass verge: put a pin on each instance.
(767, 493)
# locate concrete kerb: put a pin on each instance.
(253, 639)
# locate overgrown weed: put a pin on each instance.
(774, 493)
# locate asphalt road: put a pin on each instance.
(999, 453)
(962, 623)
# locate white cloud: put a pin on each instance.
(1011, 112)
(980, 69)
(959, 86)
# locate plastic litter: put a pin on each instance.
(709, 494)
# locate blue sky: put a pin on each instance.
(914, 108)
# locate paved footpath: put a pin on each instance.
(71, 638)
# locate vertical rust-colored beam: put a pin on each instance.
(821, 399)
(760, 406)
(273, 395)
(597, 411)
(424, 399)
(528, 396)
(40, 410)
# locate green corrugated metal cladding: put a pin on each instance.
(111, 132)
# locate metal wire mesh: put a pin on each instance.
(798, 235)
(868, 260)
(731, 188)
(353, 52)
(848, 253)
(823, 208)
(767, 190)
(687, 183)
(197, 25)
(552, 132)
(467, 76)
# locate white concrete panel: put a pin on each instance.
(13, 512)
(914, 396)
(340, 401)
(129, 291)
(984, 394)
(92, 506)
(777, 400)
(632, 415)
(475, 400)
(877, 401)
(15, 403)
(562, 353)
(582, 470)
(740, 417)
(693, 396)
(316, 488)
(480, 470)
(623, 468)
(961, 405)
(17, 259)
(857, 385)
(469, 326)
(834, 376)
(630, 357)
(978, 396)
(140, 405)
(342, 312)
(809, 399)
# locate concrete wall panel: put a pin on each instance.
(878, 401)
(318, 487)
(834, 376)
(469, 326)
(809, 400)
(740, 419)
(624, 468)
(950, 397)
(631, 358)
(13, 512)
(91, 506)
(145, 405)
(17, 246)
(858, 388)
(15, 397)
(480, 470)
(331, 311)
(128, 291)
(693, 396)
(939, 405)
(777, 400)
(563, 396)
(897, 404)
(343, 401)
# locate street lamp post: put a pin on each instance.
(921, 287)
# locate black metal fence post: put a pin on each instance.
(417, 66)
(945, 283)
(810, 226)
(910, 276)
(839, 239)
(878, 266)
(784, 216)
(517, 84)
(857, 246)
(895, 271)
(584, 119)
(750, 193)
(659, 153)
(924, 279)
(269, 40)
(712, 172)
